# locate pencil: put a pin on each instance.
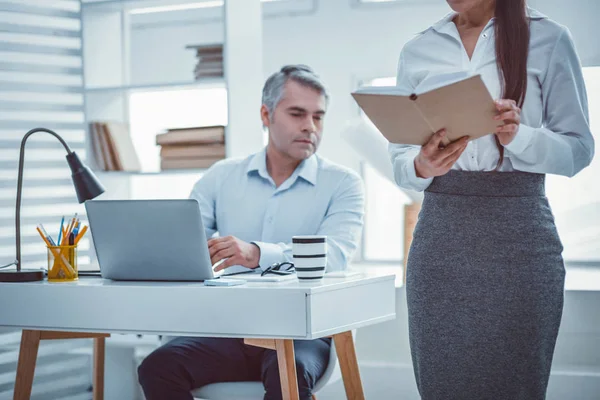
(46, 235)
(42, 235)
(80, 235)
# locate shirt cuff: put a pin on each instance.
(270, 254)
(522, 140)
(415, 183)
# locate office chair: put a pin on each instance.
(256, 390)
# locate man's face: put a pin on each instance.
(296, 124)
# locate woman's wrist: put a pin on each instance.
(418, 169)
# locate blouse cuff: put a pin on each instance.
(522, 140)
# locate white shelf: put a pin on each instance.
(208, 83)
(113, 40)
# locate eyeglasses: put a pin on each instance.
(284, 268)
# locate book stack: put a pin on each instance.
(186, 148)
(113, 148)
(210, 61)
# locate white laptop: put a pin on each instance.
(149, 240)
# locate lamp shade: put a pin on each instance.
(87, 186)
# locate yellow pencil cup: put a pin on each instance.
(62, 263)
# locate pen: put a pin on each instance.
(76, 230)
(62, 221)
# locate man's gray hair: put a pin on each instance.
(302, 74)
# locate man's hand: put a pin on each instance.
(234, 251)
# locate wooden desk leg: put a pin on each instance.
(287, 368)
(286, 360)
(344, 347)
(30, 342)
(98, 381)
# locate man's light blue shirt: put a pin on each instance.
(238, 197)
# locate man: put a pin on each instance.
(256, 205)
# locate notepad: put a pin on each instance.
(224, 282)
(464, 107)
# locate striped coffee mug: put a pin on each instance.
(310, 256)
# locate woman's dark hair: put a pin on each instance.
(512, 51)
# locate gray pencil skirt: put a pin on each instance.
(485, 282)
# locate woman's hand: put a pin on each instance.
(435, 160)
(511, 115)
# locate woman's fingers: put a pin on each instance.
(451, 160)
(512, 116)
(433, 160)
(433, 143)
(442, 153)
(456, 148)
(508, 128)
(506, 105)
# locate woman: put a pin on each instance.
(485, 273)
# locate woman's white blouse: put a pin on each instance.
(554, 136)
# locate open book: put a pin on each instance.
(464, 107)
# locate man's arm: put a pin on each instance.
(342, 224)
(205, 192)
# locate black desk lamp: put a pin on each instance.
(86, 185)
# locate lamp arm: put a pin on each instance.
(20, 185)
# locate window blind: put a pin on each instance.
(41, 85)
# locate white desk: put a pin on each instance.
(266, 314)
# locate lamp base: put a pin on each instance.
(24, 275)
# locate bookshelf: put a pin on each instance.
(126, 52)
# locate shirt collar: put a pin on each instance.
(438, 26)
(307, 169)
(443, 23)
(535, 14)
(258, 163)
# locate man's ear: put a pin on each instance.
(264, 116)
